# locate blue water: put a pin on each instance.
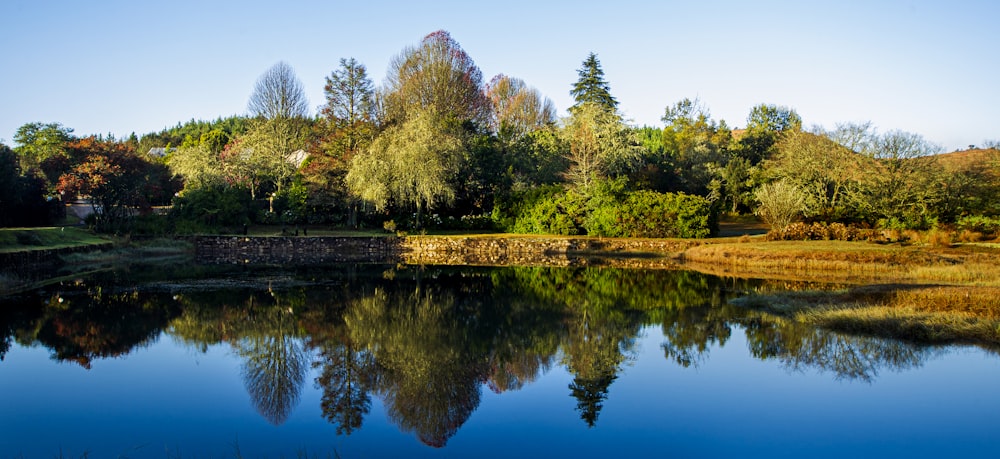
(169, 398)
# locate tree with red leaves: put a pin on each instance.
(118, 182)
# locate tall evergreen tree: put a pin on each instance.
(591, 87)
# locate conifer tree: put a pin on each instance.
(591, 87)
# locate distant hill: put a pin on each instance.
(977, 157)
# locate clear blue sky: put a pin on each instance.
(929, 67)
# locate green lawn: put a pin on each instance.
(18, 239)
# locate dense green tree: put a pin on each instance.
(770, 117)
(696, 145)
(328, 199)
(657, 171)
(267, 151)
(538, 158)
(766, 125)
(22, 198)
(969, 187)
(197, 164)
(591, 87)
(897, 179)
(734, 184)
(38, 143)
(278, 93)
(347, 127)
(213, 134)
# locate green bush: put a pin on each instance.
(542, 210)
(979, 224)
(213, 207)
(918, 222)
(609, 211)
(653, 214)
(553, 215)
(512, 207)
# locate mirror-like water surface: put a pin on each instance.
(374, 361)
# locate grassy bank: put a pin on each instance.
(20, 239)
(851, 262)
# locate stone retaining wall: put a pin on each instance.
(443, 250)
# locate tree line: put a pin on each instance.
(438, 146)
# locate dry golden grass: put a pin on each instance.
(841, 261)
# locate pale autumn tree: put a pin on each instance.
(600, 145)
(435, 75)
(517, 109)
(278, 93)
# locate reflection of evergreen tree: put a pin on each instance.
(590, 394)
(594, 351)
(263, 330)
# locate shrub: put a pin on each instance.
(550, 216)
(653, 214)
(987, 226)
(780, 203)
(821, 231)
(213, 206)
(607, 212)
(509, 209)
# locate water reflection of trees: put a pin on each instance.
(82, 322)
(433, 339)
(426, 341)
(799, 346)
(263, 330)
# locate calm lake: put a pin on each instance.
(398, 361)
